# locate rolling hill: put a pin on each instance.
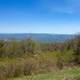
(36, 36)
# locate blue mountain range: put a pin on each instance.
(36, 36)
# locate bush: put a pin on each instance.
(60, 63)
(3, 72)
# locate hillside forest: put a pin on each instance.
(29, 57)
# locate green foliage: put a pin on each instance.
(65, 74)
(76, 44)
(27, 57)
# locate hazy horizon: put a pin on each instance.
(41, 33)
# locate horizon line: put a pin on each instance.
(39, 33)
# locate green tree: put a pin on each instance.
(77, 49)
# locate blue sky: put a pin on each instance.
(40, 16)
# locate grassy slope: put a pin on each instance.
(57, 75)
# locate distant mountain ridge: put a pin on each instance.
(36, 36)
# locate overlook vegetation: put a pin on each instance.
(29, 57)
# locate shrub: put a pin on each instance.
(3, 72)
(60, 63)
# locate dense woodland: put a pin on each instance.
(28, 57)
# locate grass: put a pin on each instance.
(56, 75)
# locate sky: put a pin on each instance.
(40, 16)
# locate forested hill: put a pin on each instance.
(35, 36)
